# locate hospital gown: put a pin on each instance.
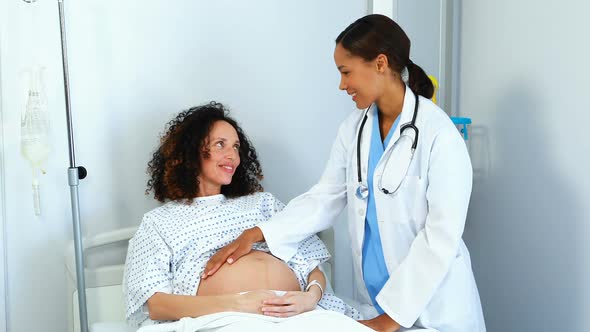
(174, 242)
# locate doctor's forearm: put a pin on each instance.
(255, 234)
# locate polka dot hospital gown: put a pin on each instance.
(174, 242)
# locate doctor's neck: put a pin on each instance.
(391, 101)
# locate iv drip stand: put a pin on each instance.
(75, 173)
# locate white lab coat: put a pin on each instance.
(431, 283)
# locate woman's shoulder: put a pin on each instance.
(159, 214)
(432, 119)
(351, 121)
(348, 127)
(257, 197)
(261, 201)
(162, 210)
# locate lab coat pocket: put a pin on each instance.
(412, 200)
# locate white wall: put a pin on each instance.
(427, 26)
(430, 25)
(524, 81)
(133, 65)
(2, 231)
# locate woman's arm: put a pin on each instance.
(164, 306)
(318, 276)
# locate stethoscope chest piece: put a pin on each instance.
(362, 191)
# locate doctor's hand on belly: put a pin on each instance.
(233, 251)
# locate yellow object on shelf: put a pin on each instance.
(435, 83)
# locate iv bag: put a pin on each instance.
(35, 145)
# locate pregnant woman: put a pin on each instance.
(207, 174)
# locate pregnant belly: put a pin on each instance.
(256, 270)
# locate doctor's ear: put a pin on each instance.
(382, 63)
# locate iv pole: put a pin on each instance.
(75, 173)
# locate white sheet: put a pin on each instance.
(240, 322)
(111, 327)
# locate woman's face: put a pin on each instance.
(224, 157)
(359, 78)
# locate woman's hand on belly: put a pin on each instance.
(292, 303)
(252, 301)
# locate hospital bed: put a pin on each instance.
(104, 295)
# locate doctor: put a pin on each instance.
(402, 169)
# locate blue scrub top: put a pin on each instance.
(374, 268)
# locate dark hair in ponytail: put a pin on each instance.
(377, 34)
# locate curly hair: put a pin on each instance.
(176, 164)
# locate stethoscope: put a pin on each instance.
(362, 192)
